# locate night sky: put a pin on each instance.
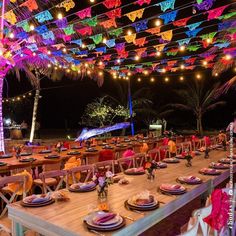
(63, 102)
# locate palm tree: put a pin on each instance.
(199, 99)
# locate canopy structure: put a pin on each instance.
(121, 37)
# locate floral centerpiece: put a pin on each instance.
(103, 180)
(150, 167)
(17, 150)
(59, 147)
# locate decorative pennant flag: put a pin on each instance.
(140, 42)
(107, 57)
(169, 16)
(204, 5)
(181, 22)
(116, 32)
(159, 47)
(222, 45)
(183, 41)
(172, 52)
(140, 26)
(43, 16)
(155, 30)
(171, 63)
(66, 38)
(41, 29)
(215, 13)
(208, 36)
(141, 2)
(110, 43)
(101, 50)
(165, 5)
(140, 51)
(10, 17)
(33, 47)
(67, 4)
(61, 23)
(91, 46)
(69, 30)
(24, 25)
(194, 25)
(130, 38)
(85, 31)
(22, 35)
(166, 35)
(135, 14)
(193, 48)
(91, 22)
(191, 60)
(227, 16)
(77, 41)
(48, 35)
(108, 23)
(123, 54)
(84, 13)
(111, 3)
(113, 14)
(30, 4)
(120, 47)
(59, 46)
(226, 25)
(193, 33)
(97, 38)
(210, 57)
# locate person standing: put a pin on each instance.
(24, 127)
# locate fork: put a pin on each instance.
(95, 232)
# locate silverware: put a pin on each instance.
(127, 217)
(95, 232)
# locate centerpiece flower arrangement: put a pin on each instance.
(17, 150)
(150, 167)
(103, 180)
(59, 146)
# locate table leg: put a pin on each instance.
(17, 229)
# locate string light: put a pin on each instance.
(59, 16)
(49, 65)
(129, 73)
(182, 48)
(129, 32)
(34, 54)
(86, 65)
(79, 71)
(181, 78)
(11, 35)
(216, 74)
(18, 98)
(208, 40)
(100, 63)
(145, 72)
(88, 72)
(92, 1)
(166, 79)
(158, 53)
(83, 45)
(1, 52)
(104, 40)
(68, 70)
(49, 52)
(100, 73)
(32, 27)
(235, 69)
(204, 63)
(182, 67)
(152, 79)
(21, 55)
(228, 57)
(64, 50)
(139, 79)
(136, 58)
(157, 22)
(118, 61)
(127, 77)
(198, 76)
(163, 70)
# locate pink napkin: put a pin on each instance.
(191, 178)
(104, 218)
(171, 187)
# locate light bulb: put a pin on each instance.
(104, 40)
(31, 27)
(59, 16)
(64, 50)
(136, 58)
(166, 79)
(163, 70)
(198, 76)
(158, 53)
(118, 61)
(182, 67)
(216, 74)
(129, 73)
(139, 79)
(152, 79)
(49, 52)
(204, 63)
(157, 22)
(11, 35)
(100, 73)
(181, 78)
(228, 57)
(129, 32)
(182, 48)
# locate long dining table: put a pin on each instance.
(66, 218)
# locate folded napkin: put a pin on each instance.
(103, 218)
(191, 177)
(171, 186)
(40, 199)
(83, 186)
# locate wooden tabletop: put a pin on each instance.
(66, 218)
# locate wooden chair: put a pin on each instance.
(165, 149)
(186, 145)
(50, 165)
(91, 158)
(59, 175)
(105, 166)
(155, 154)
(129, 162)
(87, 169)
(139, 159)
(119, 152)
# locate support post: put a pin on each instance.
(130, 108)
(35, 109)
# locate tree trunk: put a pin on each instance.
(34, 117)
(199, 124)
(2, 145)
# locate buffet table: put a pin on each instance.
(66, 218)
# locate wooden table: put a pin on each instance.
(60, 219)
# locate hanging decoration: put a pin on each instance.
(204, 5)
(165, 5)
(140, 42)
(167, 35)
(97, 38)
(91, 21)
(140, 26)
(215, 13)
(169, 16)
(111, 3)
(108, 23)
(67, 4)
(113, 14)
(141, 2)
(130, 38)
(30, 4)
(135, 14)
(181, 22)
(86, 13)
(43, 16)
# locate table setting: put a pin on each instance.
(227, 161)
(37, 200)
(135, 171)
(209, 171)
(220, 166)
(30, 159)
(83, 187)
(52, 156)
(172, 189)
(6, 155)
(73, 153)
(45, 151)
(143, 201)
(3, 163)
(191, 180)
(171, 160)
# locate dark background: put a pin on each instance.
(63, 102)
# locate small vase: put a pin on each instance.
(151, 176)
(102, 198)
